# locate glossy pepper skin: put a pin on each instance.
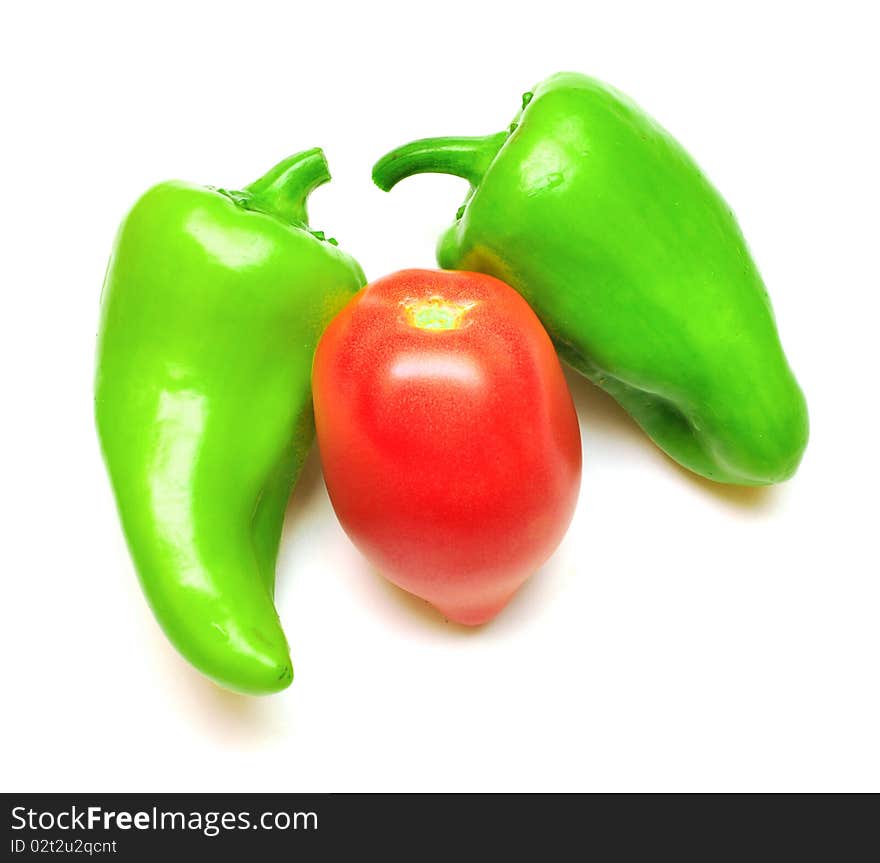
(212, 306)
(635, 265)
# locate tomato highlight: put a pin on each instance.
(449, 440)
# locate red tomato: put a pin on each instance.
(450, 444)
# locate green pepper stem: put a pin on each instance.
(285, 189)
(463, 157)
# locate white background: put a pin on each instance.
(684, 637)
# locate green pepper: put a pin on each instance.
(637, 268)
(212, 307)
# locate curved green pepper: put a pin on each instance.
(635, 265)
(212, 306)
